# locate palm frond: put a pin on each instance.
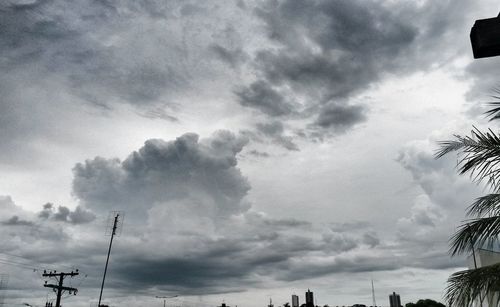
(466, 286)
(494, 112)
(480, 155)
(475, 233)
(485, 205)
(445, 147)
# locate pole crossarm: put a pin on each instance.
(55, 274)
(62, 288)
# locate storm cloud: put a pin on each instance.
(327, 53)
(160, 171)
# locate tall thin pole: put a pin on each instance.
(373, 295)
(113, 232)
(472, 245)
(474, 257)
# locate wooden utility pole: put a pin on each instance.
(59, 288)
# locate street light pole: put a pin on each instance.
(165, 298)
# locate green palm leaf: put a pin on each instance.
(494, 112)
(485, 205)
(468, 285)
(475, 233)
(480, 155)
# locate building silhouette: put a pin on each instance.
(295, 300)
(309, 298)
(394, 300)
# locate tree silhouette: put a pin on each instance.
(479, 156)
(425, 303)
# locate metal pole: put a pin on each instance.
(472, 245)
(107, 259)
(165, 299)
(475, 262)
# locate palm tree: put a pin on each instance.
(479, 156)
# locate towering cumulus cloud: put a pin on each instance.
(203, 171)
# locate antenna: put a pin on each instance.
(373, 295)
(115, 226)
(110, 223)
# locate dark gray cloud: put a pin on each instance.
(16, 221)
(53, 37)
(348, 263)
(259, 154)
(189, 275)
(160, 171)
(232, 57)
(242, 259)
(275, 131)
(289, 223)
(260, 95)
(371, 239)
(32, 234)
(46, 211)
(341, 117)
(159, 113)
(327, 52)
(64, 214)
(59, 58)
(349, 226)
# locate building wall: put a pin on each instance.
(394, 300)
(485, 258)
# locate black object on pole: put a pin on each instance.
(113, 232)
(59, 287)
(485, 37)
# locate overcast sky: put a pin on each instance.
(257, 148)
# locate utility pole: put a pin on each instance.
(116, 222)
(59, 288)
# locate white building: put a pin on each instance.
(484, 258)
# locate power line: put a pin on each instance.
(39, 265)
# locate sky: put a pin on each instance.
(256, 148)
